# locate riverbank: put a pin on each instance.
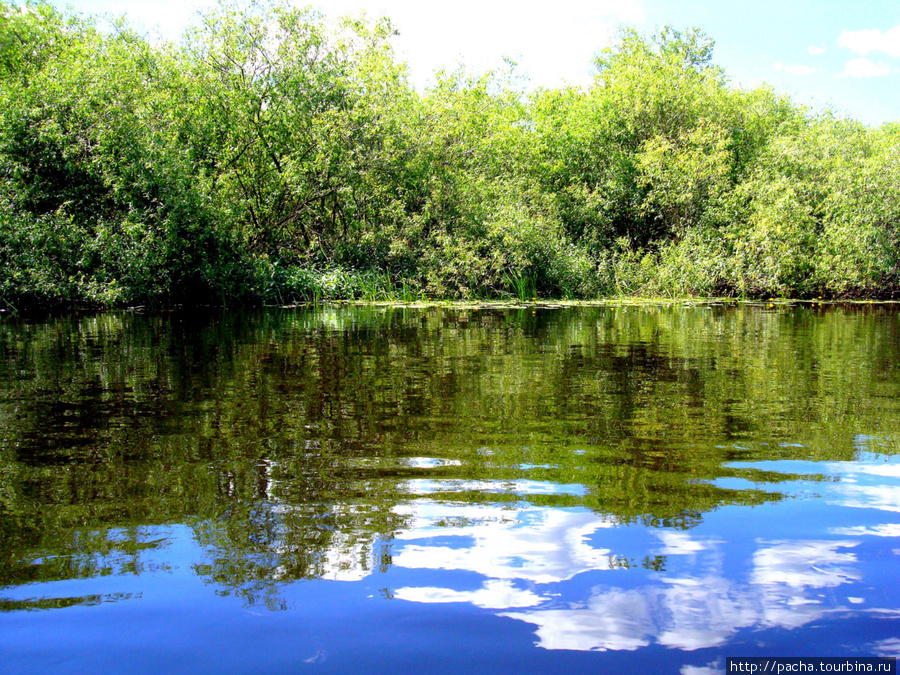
(275, 156)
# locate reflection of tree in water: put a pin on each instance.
(321, 527)
(81, 554)
(290, 438)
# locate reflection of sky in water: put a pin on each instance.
(702, 610)
(588, 582)
(885, 530)
(866, 485)
(494, 594)
(562, 570)
(872, 482)
(700, 670)
(536, 544)
(801, 564)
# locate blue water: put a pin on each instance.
(441, 537)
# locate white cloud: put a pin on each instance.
(517, 550)
(536, 544)
(804, 564)
(494, 594)
(497, 12)
(889, 647)
(615, 620)
(348, 558)
(851, 468)
(865, 41)
(882, 497)
(815, 50)
(550, 45)
(865, 68)
(711, 669)
(795, 68)
(886, 530)
(701, 612)
(169, 17)
(681, 543)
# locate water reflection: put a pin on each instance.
(600, 479)
(803, 564)
(525, 558)
(869, 486)
(697, 605)
(493, 594)
(533, 544)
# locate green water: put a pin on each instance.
(481, 487)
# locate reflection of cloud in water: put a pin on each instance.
(494, 594)
(681, 543)
(691, 613)
(692, 606)
(710, 669)
(541, 545)
(701, 612)
(799, 564)
(888, 648)
(618, 620)
(786, 572)
(882, 497)
(849, 469)
(686, 614)
(548, 546)
(885, 530)
(853, 490)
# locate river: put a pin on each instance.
(482, 488)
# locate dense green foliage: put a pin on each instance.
(275, 156)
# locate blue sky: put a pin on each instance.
(840, 53)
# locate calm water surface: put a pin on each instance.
(345, 489)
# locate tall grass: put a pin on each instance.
(310, 285)
(522, 285)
